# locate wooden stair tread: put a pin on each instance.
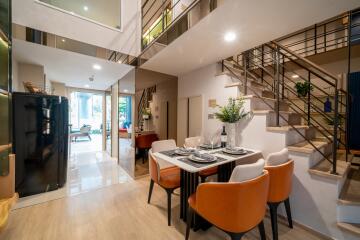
(272, 111)
(324, 168)
(286, 128)
(306, 147)
(351, 227)
(350, 193)
(236, 84)
(264, 98)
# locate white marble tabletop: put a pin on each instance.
(187, 167)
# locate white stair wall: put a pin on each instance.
(314, 198)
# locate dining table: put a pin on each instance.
(189, 173)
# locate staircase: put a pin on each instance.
(325, 178)
(144, 103)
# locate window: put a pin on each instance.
(106, 12)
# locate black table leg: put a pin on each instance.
(225, 171)
(189, 182)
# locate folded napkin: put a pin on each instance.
(204, 156)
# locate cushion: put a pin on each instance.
(163, 145)
(247, 172)
(192, 142)
(277, 158)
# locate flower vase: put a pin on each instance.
(231, 132)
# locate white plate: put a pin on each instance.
(236, 151)
(201, 160)
(183, 153)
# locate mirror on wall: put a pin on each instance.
(5, 60)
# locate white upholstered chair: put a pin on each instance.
(192, 142)
(280, 169)
(163, 145)
(247, 171)
(163, 173)
(277, 158)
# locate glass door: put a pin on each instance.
(108, 121)
(86, 121)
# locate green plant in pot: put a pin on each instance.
(146, 114)
(230, 114)
(303, 88)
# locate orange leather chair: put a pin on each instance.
(168, 178)
(280, 169)
(194, 142)
(143, 144)
(234, 207)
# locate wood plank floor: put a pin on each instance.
(117, 212)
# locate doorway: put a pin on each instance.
(86, 122)
(126, 137)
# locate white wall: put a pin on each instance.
(204, 82)
(32, 14)
(58, 89)
(31, 73)
(17, 86)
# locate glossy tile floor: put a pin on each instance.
(83, 144)
(87, 170)
(119, 212)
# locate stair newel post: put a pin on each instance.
(309, 99)
(277, 80)
(262, 63)
(222, 66)
(246, 65)
(336, 122)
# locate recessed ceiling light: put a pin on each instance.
(125, 90)
(86, 8)
(119, 61)
(87, 85)
(230, 36)
(63, 40)
(295, 76)
(97, 67)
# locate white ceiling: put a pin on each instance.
(70, 68)
(254, 22)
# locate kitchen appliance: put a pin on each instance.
(40, 124)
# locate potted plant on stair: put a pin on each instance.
(231, 114)
(303, 88)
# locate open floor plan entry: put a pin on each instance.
(179, 119)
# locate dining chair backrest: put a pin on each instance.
(277, 158)
(280, 181)
(192, 142)
(163, 145)
(154, 167)
(247, 171)
(234, 207)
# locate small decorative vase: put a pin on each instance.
(231, 132)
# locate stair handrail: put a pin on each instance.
(283, 118)
(317, 67)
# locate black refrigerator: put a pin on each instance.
(40, 125)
